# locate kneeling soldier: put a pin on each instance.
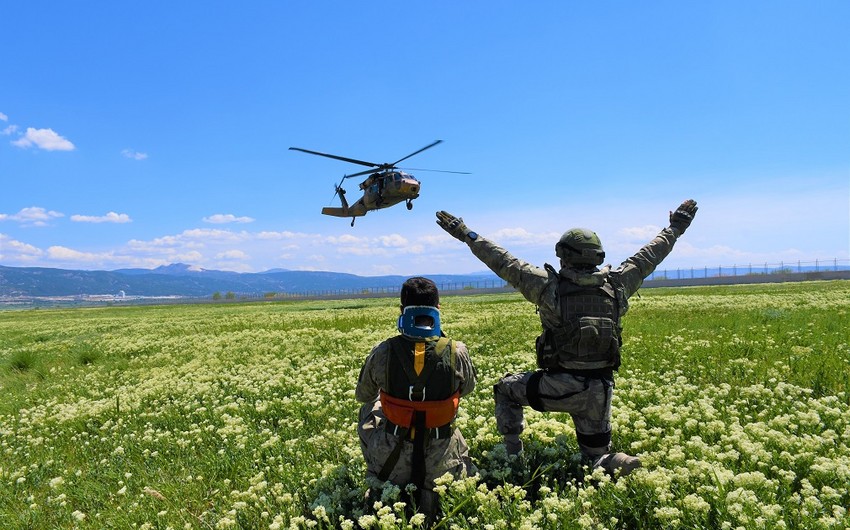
(410, 387)
(580, 308)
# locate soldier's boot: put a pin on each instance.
(617, 464)
(513, 445)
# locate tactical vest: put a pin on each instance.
(421, 379)
(588, 336)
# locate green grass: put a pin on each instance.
(243, 415)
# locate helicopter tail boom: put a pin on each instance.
(344, 212)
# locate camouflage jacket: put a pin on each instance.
(533, 282)
(373, 375)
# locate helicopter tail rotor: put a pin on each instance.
(338, 190)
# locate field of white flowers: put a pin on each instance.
(242, 415)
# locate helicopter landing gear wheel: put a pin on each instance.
(409, 205)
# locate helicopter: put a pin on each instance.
(385, 186)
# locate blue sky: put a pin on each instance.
(141, 134)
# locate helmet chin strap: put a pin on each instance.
(407, 322)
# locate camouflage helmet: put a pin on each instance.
(580, 246)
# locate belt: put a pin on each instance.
(437, 433)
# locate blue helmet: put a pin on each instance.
(409, 327)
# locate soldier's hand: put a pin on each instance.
(684, 214)
(453, 225)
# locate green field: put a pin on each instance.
(737, 399)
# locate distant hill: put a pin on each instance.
(183, 280)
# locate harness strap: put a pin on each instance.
(418, 381)
(532, 391)
(417, 472)
(392, 458)
(436, 433)
(535, 398)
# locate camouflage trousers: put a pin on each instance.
(587, 400)
(446, 455)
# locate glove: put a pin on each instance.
(453, 225)
(684, 214)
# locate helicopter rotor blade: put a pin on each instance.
(336, 157)
(429, 146)
(436, 170)
(363, 172)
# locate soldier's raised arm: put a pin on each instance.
(643, 263)
(528, 279)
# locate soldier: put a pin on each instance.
(580, 307)
(410, 387)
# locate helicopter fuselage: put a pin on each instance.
(382, 190)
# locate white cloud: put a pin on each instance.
(232, 254)
(206, 234)
(110, 217)
(46, 139)
(221, 218)
(60, 253)
(383, 270)
(521, 236)
(192, 257)
(32, 216)
(266, 235)
(68, 257)
(12, 250)
(133, 155)
(640, 233)
(393, 240)
(347, 239)
(8, 130)
(363, 251)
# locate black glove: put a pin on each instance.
(453, 225)
(684, 214)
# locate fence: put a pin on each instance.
(727, 273)
(751, 269)
(490, 285)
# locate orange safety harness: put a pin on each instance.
(437, 413)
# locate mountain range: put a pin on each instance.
(179, 279)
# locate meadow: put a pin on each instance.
(242, 415)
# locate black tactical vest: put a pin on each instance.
(436, 380)
(589, 333)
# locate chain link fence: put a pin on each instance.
(752, 269)
(706, 275)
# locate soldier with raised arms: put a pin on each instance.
(410, 387)
(580, 308)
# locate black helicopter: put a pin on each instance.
(385, 186)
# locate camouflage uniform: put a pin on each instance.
(585, 394)
(444, 455)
